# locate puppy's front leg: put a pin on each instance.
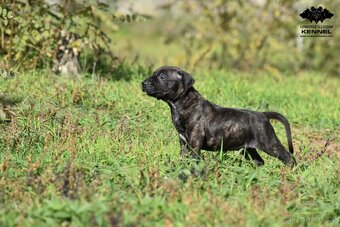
(190, 148)
(184, 152)
(196, 141)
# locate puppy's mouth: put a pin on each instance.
(143, 87)
(153, 93)
(150, 91)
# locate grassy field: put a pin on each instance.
(100, 152)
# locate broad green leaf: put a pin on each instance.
(4, 12)
(10, 14)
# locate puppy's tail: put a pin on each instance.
(284, 121)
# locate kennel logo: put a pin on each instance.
(316, 15)
(316, 30)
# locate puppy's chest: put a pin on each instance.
(180, 120)
(176, 120)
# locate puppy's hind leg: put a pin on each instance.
(276, 149)
(272, 145)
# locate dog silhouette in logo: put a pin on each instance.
(316, 14)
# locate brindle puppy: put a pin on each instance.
(203, 125)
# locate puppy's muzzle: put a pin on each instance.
(147, 87)
(143, 87)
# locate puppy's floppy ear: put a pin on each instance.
(187, 79)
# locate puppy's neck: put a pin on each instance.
(186, 100)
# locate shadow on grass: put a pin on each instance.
(9, 100)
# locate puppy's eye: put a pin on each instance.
(162, 77)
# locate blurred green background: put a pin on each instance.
(256, 36)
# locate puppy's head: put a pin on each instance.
(168, 83)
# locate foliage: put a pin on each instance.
(101, 153)
(252, 36)
(5, 15)
(32, 36)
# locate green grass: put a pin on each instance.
(100, 152)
